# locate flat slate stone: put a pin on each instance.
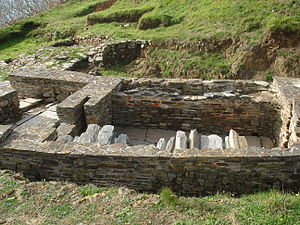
(194, 139)
(5, 131)
(50, 115)
(181, 140)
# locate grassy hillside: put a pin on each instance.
(24, 202)
(166, 19)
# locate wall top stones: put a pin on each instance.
(6, 88)
(52, 74)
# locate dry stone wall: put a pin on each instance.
(9, 102)
(146, 169)
(51, 85)
(210, 107)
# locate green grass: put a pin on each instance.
(124, 15)
(171, 19)
(23, 202)
(191, 64)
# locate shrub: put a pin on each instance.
(126, 15)
(151, 21)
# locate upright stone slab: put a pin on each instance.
(90, 135)
(181, 140)
(249, 141)
(227, 142)
(122, 139)
(215, 142)
(170, 144)
(161, 145)
(106, 135)
(194, 139)
(204, 143)
(234, 140)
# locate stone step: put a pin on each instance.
(5, 131)
(28, 103)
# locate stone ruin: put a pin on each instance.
(196, 137)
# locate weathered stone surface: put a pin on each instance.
(234, 139)
(204, 142)
(106, 135)
(28, 103)
(181, 140)
(90, 135)
(194, 139)
(65, 138)
(5, 131)
(215, 142)
(227, 145)
(161, 145)
(249, 141)
(266, 142)
(170, 144)
(122, 139)
(76, 139)
(9, 102)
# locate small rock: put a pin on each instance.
(122, 139)
(194, 139)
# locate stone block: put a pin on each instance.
(106, 135)
(161, 145)
(181, 140)
(170, 144)
(194, 139)
(233, 139)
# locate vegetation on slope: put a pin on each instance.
(24, 202)
(175, 19)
